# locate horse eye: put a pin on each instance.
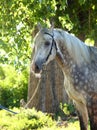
(47, 43)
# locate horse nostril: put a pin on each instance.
(37, 67)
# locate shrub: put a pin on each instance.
(68, 109)
(26, 120)
(30, 119)
(13, 85)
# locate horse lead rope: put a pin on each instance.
(2, 107)
(32, 95)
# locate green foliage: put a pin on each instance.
(18, 19)
(13, 85)
(25, 120)
(68, 109)
(31, 120)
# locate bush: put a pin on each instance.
(68, 109)
(13, 85)
(26, 120)
(30, 119)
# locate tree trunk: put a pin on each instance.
(95, 42)
(47, 93)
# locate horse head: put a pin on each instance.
(45, 49)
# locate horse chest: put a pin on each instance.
(72, 92)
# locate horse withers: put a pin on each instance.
(79, 65)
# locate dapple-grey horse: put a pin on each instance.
(79, 65)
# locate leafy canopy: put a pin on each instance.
(18, 19)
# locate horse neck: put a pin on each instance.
(64, 59)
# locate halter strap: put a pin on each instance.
(53, 43)
(57, 50)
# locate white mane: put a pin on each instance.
(78, 50)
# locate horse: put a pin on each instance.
(79, 65)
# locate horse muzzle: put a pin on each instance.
(36, 67)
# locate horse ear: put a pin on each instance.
(52, 25)
(36, 29)
(39, 26)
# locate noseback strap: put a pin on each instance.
(57, 50)
(53, 43)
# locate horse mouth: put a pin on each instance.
(37, 75)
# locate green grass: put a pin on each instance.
(30, 119)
